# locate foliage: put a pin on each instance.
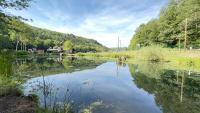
(21, 53)
(169, 29)
(8, 81)
(17, 35)
(174, 58)
(21, 36)
(67, 45)
(152, 53)
(17, 4)
(7, 23)
(128, 54)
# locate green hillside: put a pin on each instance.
(45, 38)
(17, 34)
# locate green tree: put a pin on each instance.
(169, 29)
(67, 46)
(5, 19)
(17, 4)
(146, 34)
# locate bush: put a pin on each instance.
(80, 54)
(21, 53)
(152, 53)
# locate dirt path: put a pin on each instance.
(17, 104)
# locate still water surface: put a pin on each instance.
(83, 85)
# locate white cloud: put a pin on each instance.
(104, 26)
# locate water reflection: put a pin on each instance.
(83, 85)
(33, 67)
(97, 90)
(175, 91)
(116, 87)
(8, 81)
(50, 95)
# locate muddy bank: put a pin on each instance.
(16, 103)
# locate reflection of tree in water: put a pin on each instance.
(91, 101)
(72, 64)
(26, 67)
(15, 70)
(6, 65)
(121, 64)
(50, 102)
(50, 95)
(175, 91)
(152, 70)
(9, 80)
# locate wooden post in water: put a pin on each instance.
(182, 85)
(185, 43)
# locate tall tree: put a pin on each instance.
(169, 29)
(67, 46)
(6, 18)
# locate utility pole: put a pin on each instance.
(185, 43)
(118, 45)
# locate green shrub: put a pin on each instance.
(21, 53)
(79, 54)
(151, 53)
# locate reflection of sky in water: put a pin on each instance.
(115, 89)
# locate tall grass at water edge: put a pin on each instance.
(173, 56)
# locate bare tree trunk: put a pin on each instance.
(21, 46)
(25, 47)
(185, 43)
(16, 48)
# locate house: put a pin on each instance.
(40, 51)
(33, 50)
(54, 50)
(30, 50)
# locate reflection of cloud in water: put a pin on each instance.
(117, 93)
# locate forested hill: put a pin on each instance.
(177, 26)
(16, 33)
(46, 38)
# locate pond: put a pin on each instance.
(96, 86)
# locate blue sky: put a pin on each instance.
(102, 20)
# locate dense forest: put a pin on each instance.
(178, 25)
(15, 34)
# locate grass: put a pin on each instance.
(128, 54)
(182, 59)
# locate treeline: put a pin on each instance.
(17, 35)
(177, 26)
